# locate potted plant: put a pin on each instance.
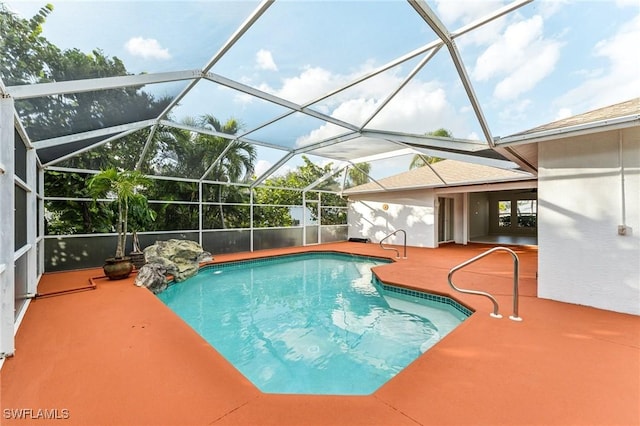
(124, 187)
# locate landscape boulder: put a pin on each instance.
(180, 258)
(153, 277)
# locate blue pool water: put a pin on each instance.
(311, 323)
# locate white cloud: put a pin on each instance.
(623, 3)
(264, 60)
(147, 48)
(420, 107)
(563, 113)
(547, 8)
(521, 58)
(312, 82)
(515, 113)
(261, 167)
(463, 12)
(619, 82)
(323, 132)
(525, 78)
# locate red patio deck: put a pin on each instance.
(117, 356)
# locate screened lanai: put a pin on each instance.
(251, 118)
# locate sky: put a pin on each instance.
(546, 61)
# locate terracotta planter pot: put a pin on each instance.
(117, 268)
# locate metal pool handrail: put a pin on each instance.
(516, 263)
(394, 249)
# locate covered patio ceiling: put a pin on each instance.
(298, 84)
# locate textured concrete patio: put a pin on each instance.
(117, 356)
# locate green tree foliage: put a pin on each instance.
(195, 155)
(358, 175)
(124, 187)
(25, 52)
(27, 57)
(420, 160)
(303, 176)
(83, 217)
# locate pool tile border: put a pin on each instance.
(266, 259)
(423, 295)
(377, 282)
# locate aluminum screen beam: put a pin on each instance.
(28, 91)
(48, 143)
(327, 142)
(406, 81)
(273, 168)
(438, 27)
(220, 134)
(277, 100)
(495, 15)
(89, 148)
(262, 7)
(428, 141)
(7, 263)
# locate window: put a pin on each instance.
(527, 213)
(504, 213)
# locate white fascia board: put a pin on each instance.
(46, 143)
(489, 186)
(95, 84)
(570, 131)
(458, 187)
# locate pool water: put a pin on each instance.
(311, 323)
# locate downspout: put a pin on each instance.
(622, 229)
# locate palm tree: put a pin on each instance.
(190, 154)
(124, 187)
(420, 160)
(238, 162)
(359, 175)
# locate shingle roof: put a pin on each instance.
(440, 174)
(622, 109)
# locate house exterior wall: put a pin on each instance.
(582, 259)
(413, 211)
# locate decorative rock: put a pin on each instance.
(152, 276)
(181, 258)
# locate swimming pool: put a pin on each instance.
(313, 323)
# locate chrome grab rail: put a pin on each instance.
(394, 249)
(516, 263)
